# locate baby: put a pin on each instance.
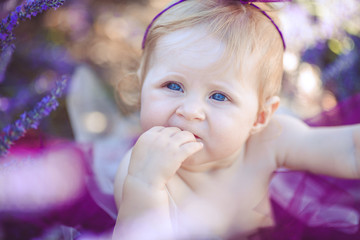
(209, 78)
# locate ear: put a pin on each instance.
(264, 116)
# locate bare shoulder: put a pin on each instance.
(280, 135)
(120, 177)
(286, 128)
(280, 127)
(269, 145)
(288, 121)
(291, 132)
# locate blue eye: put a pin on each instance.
(174, 86)
(219, 97)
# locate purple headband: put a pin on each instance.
(250, 2)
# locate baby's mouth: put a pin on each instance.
(197, 137)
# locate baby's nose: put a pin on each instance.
(191, 109)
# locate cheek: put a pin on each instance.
(153, 111)
(149, 117)
(231, 132)
(146, 110)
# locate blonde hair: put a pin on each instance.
(242, 27)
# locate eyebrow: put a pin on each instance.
(172, 74)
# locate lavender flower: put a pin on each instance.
(30, 9)
(32, 118)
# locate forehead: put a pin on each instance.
(190, 44)
(195, 48)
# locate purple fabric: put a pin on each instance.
(345, 113)
(312, 206)
(69, 220)
(241, 1)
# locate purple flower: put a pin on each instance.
(18, 9)
(32, 118)
(22, 12)
(13, 19)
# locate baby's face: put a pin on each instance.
(187, 86)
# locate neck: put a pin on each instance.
(217, 165)
(197, 176)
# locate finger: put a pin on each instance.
(169, 131)
(156, 129)
(149, 135)
(191, 148)
(164, 137)
(183, 137)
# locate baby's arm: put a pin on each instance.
(333, 151)
(140, 185)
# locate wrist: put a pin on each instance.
(144, 190)
(140, 199)
(152, 183)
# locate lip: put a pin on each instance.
(196, 136)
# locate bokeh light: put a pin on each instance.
(291, 61)
(95, 122)
(309, 81)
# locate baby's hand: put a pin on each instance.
(159, 153)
